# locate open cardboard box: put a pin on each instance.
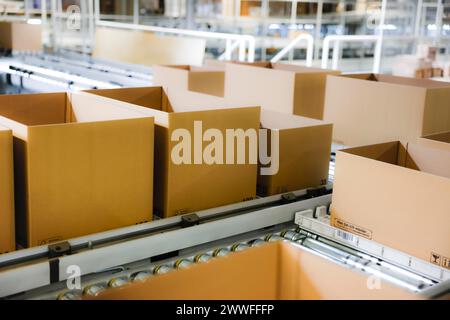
(439, 140)
(20, 36)
(397, 195)
(278, 87)
(303, 148)
(304, 152)
(79, 167)
(207, 80)
(7, 232)
(147, 48)
(277, 271)
(372, 108)
(304, 145)
(189, 187)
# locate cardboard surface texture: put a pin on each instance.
(147, 48)
(278, 87)
(20, 36)
(304, 153)
(79, 168)
(440, 140)
(7, 231)
(396, 194)
(207, 80)
(189, 187)
(370, 108)
(277, 271)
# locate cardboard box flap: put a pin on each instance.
(34, 109)
(185, 101)
(274, 271)
(299, 69)
(151, 98)
(385, 152)
(409, 155)
(429, 160)
(396, 80)
(441, 137)
(86, 107)
(277, 120)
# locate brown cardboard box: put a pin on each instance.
(185, 188)
(304, 152)
(369, 108)
(304, 145)
(277, 271)
(79, 168)
(147, 48)
(20, 36)
(7, 231)
(199, 79)
(439, 140)
(397, 195)
(278, 87)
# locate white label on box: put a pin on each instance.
(346, 236)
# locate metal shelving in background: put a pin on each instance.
(274, 25)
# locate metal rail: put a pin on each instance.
(309, 51)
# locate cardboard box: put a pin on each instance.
(395, 194)
(440, 140)
(278, 87)
(7, 231)
(277, 271)
(20, 36)
(371, 108)
(189, 187)
(147, 48)
(304, 153)
(79, 167)
(205, 80)
(304, 146)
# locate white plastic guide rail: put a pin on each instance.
(321, 226)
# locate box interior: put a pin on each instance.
(56, 108)
(408, 155)
(195, 68)
(284, 67)
(277, 120)
(441, 137)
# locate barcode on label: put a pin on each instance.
(346, 236)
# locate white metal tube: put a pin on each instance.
(97, 10)
(379, 45)
(242, 47)
(44, 11)
(417, 27)
(309, 53)
(136, 11)
(336, 55)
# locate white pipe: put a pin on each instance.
(230, 47)
(418, 18)
(336, 55)
(97, 10)
(242, 48)
(136, 11)
(379, 45)
(309, 52)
